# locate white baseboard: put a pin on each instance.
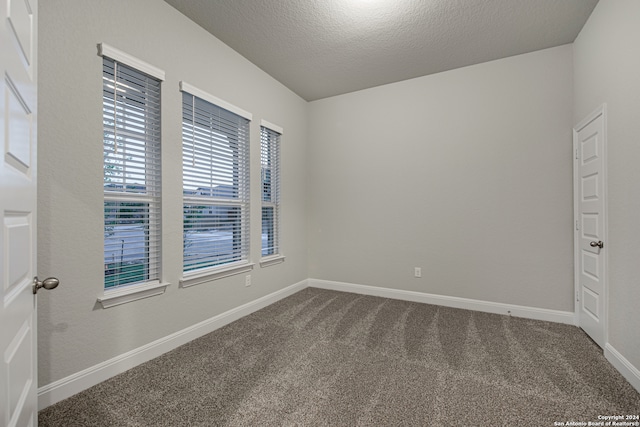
(630, 372)
(447, 301)
(67, 387)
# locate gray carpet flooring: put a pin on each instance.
(325, 358)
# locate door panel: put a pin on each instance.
(589, 188)
(589, 149)
(18, 358)
(18, 101)
(17, 239)
(590, 303)
(590, 266)
(590, 228)
(20, 19)
(18, 142)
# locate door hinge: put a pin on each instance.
(577, 295)
(577, 225)
(577, 153)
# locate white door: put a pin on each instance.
(18, 376)
(589, 140)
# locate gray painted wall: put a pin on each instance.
(607, 69)
(467, 174)
(74, 332)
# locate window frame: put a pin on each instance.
(270, 159)
(208, 273)
(127, 292)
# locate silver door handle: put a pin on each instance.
(49, 283)
(598, 244)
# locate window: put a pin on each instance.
(215, 167)
(132, 190)
(270, 173)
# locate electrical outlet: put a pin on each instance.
(247, 280)
(417, 272)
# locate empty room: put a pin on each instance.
(340, 212)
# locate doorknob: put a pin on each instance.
(49, 283)
(598, 244)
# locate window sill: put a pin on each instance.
(271, 260)
(214, 274)
(127, 294)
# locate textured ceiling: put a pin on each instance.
(321, 48)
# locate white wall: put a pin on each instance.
(607, 69)
(74, 331)
(467, 174)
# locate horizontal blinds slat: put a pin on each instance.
(134, 124)
(222, 155)
(205, 115)
(129, 76)
(130, 86)
(136, 98)
(136, 103)
(132, 153)
(213, 131)
(132, 175)
(206, 119)
(203, 139)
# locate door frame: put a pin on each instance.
(600, 111)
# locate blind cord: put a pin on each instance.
(193, 129)
(115, 107)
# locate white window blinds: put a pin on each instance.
(270, 173)
(132, 190)
(215, 166)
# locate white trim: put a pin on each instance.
(214, 274)
(600, 111)
(68, 386)
(271, 126)
(576, 262)
(186, 87)
(113, 53)
(271, 260)
(121, 295)
(448, 301)
(626, 368)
